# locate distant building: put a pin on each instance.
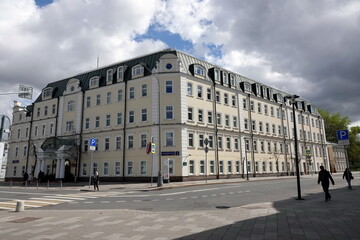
(4, 138)
(337, 157)
(247, 125)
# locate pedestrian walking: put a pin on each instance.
(324, 177)
(25, 178)
(96, 179)
(348, 176)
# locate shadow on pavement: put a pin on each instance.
(311, 218)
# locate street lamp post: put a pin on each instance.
(160, 181)
(293, 101)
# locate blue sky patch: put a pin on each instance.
(43, 3)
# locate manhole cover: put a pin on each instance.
(222, 207)
(24, 220)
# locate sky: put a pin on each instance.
(304, 47)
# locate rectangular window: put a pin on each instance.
(53, 109)
(210, 121)
(169, 112)
(119, 119)
(218, 118)
(237, 166)
(226, 99)
(253, 125)
(43, 131)
(131, 117)
(45, 111)
(106, 143)
(217, 93)
(208, 94)
(84, 168)
(130, 141)
(120, 95)
(236, 144)
(144, 115)
(143, 167)
(199, 91)
(244, 104)
(262, 146)
(69, 126)
(259, 107)
(191, 139)
(51, 128)
(191, 167)
(88, 101)
(98, 100)
(235, 122)
(247, 145)
(272, 111)
(27, 132)
(118, 143)
(189, 89)
(169, 139)
(202, 166)
(233, 101)
(130, 168)
(25, 151)
(38, 112)
(228, 143)
(220, 142)
(252, 105)
(168, 87)
(200, 115)
(229, 163)
(95, 167)
(117, 168)
(108, 97)
(255, 145)
(106, 168)
(211, 141)
(144, 90)
(109, 75)
(86, 145)
(221, 166)
(274, 129)
(190, 113)
(97, 121)
(108, 120)
(227, 120)
(212, 167)
(201, 140)
(71, 106)
(260, 126)
(246, 124)
(143, 140)
(131, 93)
(36, 131)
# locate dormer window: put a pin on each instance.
(137, 71)
(94, 82)
(247, 87)
(279, 98)
(109, 76)
(217, 75)
(47, 93)
(264, 92)
(199, 70)
(225, 78)
(270, 93)
(258, 92)
(120, 73)
(232, 80)
(299, 105)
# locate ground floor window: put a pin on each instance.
(84, 167)
(130, 168)
(117, 168)
(143, 167)
(191, 167)
(212, 168)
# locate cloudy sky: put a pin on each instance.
(309, 48)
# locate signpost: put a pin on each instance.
(343, 139)
(93, 143)
(206, 149)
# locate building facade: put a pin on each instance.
(337, 157)
(210, 122)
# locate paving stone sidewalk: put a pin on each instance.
(289, 219)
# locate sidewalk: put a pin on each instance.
(287, 219)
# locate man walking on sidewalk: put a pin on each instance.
(324, 177)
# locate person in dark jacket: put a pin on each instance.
(348, 176)
(96, 179)
(324, 177)
(25, 177)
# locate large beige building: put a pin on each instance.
(168, 95)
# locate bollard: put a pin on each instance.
(60, 184)
(26, 183)
(10, 183)
(19, 206)
(37, 184)
(48, 184)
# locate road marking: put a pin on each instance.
(120, 201)
(222, 194)
(169, 194)
(194, 197)
(105, 202)
(155, 200)
(183, 198)
(169, 199)
(88, 202)
(213, 195)
(204, 196)
(64, 197)
(231, 193)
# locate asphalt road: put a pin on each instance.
(202, 197)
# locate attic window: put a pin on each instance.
(137, 71)
(94, 82)
(120, 73)
(225, 78)
(247, 87)
(217, 74)
(264, 92)
(200, 71)
(109, 75)
(232, 80)
(47, 92)
(270, 94)
(258, 92)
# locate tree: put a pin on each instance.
(354, 148)
(333, 123)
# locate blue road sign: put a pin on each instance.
(93, 142)
(342, 134)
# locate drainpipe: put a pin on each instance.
(240, 142)
(216, 133)
(251, 138)
(124, 130)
